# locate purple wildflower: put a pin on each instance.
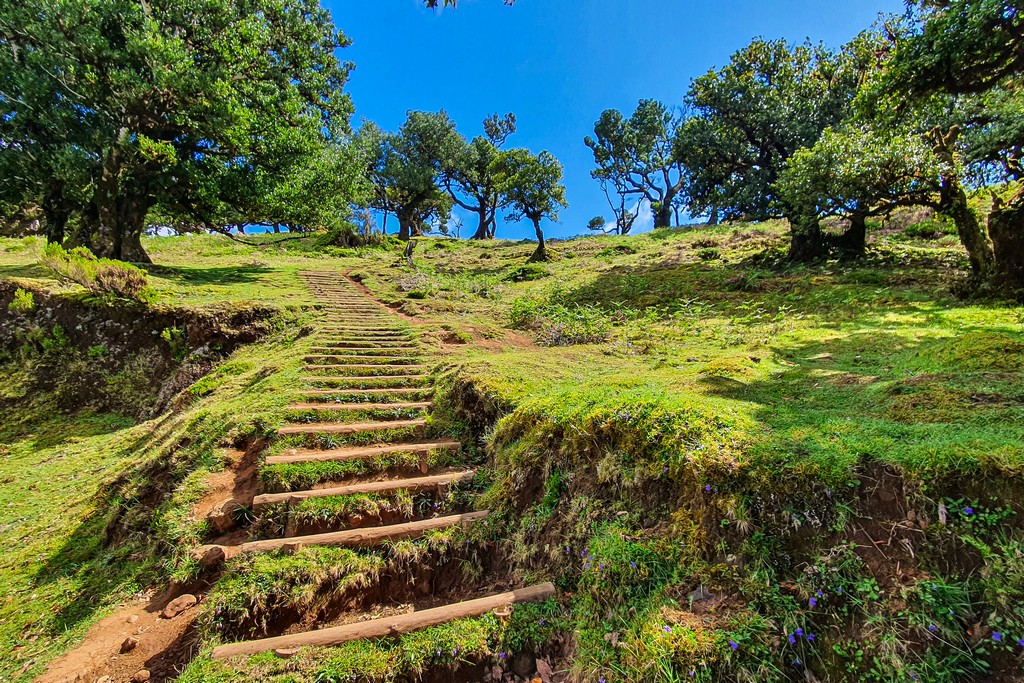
(799, 633)
(707, 488)
(734, 645)
(633, 565)
(501, 655)
(792, 639)
(1021, 642)
(813, 602)
(997, 636)
(968, 511)
(810, 637)
(933, 628)
(797, 662)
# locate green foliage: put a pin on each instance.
(636, 157)
(23, 302)
(109, 279)
(228, 136)
(558, 325)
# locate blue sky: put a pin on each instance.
(559, 63)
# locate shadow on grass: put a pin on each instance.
(27, 270)
(224, 275)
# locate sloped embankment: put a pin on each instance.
(697, 544)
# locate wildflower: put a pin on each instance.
(810, 637)
(968, 511)
(1021, 642)
(666, 468)
(820, 593)
(633, 565)
(707, 488)
(797, 662)
(601, 680)
(839, 590)
(792, 639)
(813, 602)
(799, 633)
(600, 566)
(933, 628)
(734, 645)
(692, 673)
(997, 636)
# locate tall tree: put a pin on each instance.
(405, 171)
(119, 105)
(635, 158)
(972, 50)
(533, 190)
(469, 172)
(771, 100)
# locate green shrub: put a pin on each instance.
(107, 278)
(24, 302)
(558, 325)
(709, 254)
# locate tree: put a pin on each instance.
(751, 116)
(532, 189)
(597, 224)
(468, 172)
(107, 109)
(973, 51)
(858, 172)
(405, 172)
(635, 157)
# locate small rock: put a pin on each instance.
(291, 548)
(179, 605)
(209, 555)
(104, 679)
(544, 669)
(286, 652)
(496, 673)
(141, 676)
(222, 517)
(129, 644)
(133, 618)
(522, 665)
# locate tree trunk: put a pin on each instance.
(1006, 228)
(953, 203)
(55, 212)
(713, 218)
(277, 228)
(807, 243)
(853, 242)
(405, 227)
(483, 226)
(541, 253)
(662, 215)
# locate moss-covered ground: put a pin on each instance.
(735, 469)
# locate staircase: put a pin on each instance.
(365, 401)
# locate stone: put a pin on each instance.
(133, 618)
(209, 555)
(104, 679)
(544, 670)
(522, 665)
(129, 644)
(222, 517)
(141, 676)
(179, 605)
(286, 652)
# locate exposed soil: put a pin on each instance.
(164, 645)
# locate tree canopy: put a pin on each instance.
(216, 110)
(635, 158)
(532, 189)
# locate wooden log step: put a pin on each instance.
(353, 428)
(363, 366)
(361, 538)
(350, 352)
(355, 407)
(399, 391)
(360, 452)
(346, 356)
(363, 378)
(388, 626)
(387, 485)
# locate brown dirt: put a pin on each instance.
(164, 646)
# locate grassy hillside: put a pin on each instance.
(730, 466)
